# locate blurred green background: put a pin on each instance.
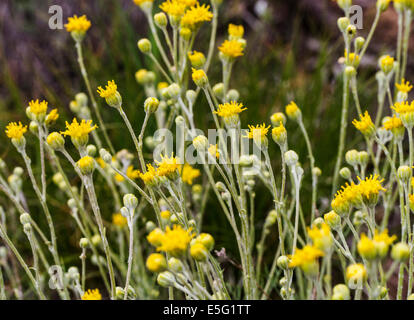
(292, 54)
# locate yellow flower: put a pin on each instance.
(86, 165)
(404, 86)
(101, 163)
(236, 31)
(168, 167)
(38, 109)
(175, 241)
(79, 132)
(144, 4)
(292, 110)
(111, 94)
(119, 220)
(366, 248)
(345, 198)
(155, 237)
(279, 134)
(78, 24)
(231, 49)
(174, 8)
(130, 172)
(165, 214)
(405, 111)
(306, 259)
(393, 123)
(197, 59)
(156, 263)
(382, 242)
(321, 237)
(369, 189)
(92, 295)
(365, 125)
(52, 117)
(195, 16)
(353, 58)
(356, 272)
(149, 177)
(258, 133)
(213, 151)
(230, 112)
(199, 77)
(386, 63)
(15, 131)
(188, 174)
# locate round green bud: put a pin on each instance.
(166, 279)
(160, 20)
(25, 218)
(151, 105)
(144, 45)
(130, 201)
(91, 150)
(400, 251)
(345, 173)
(283, 262)
(83, 243)
(343, 23)
(291, 158)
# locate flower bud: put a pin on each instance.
(400, 252)
(166, 279)
(96, 239)
(359, 43)
(345, 173)
(291, 158)
(404, 173)
(207, 240)
(160, 20)
(185, 33)
(233, 95)
(83, 243)
(343, 23)
(130, 201)
(218, 90)
(105, 155)
(316, 172)
(151, 105)
(144, 45)
(25, 218)
(245, 161)
(200, 78)
(91, 150)
(342, 292)
(191, 96)
(27, 227)
(200, 143)
(86, 165)
(351, 157)
(149, 226)
(198, 251)
(350, 71)
(283, 262)
(318, 222)
(332, 219)
(363, 158)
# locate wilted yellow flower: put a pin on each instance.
(231, 49)
(119, 220)
(365, 125)
(188, 174)
(93, 294)
(78, 24)
(175, 241)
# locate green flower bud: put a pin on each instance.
(144, 45)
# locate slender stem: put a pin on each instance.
(130, 255)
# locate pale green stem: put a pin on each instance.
(130, 255)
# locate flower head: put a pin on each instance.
(235, 31)
(79, 132)
(386, 63)
(214, 151)
(93, 294)
(110, 94)
(15, 131)
(168, 167)
(174, 8)
(231, 49)
(369, 189)
(321, 236)
(78, 24)
(393, 123)
(199, 77)
(258, 133)
(197, 59)
(292, 110)
(306, 259)
(366, 248)
(119, 220)
(230, 111)
(382, 242)
(38, 109)
(188, 174)
(195, 16)
(52, 117)
(365, 125)
(279, 134)
(404, 86)
(149, 177)
(356, 272)
(353, 58)
(405, 111)
(175, 241)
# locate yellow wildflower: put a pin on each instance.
(356, 272)
(279, 134)
(188, 174)
(52, 117)
(199, 77)
(405, 111)
(92, 295)
(365, 125)
(236, 31)
(165, 214)
(213, 151)
(156, 263)
(79, 132)
(369, 189)
(386, 63)
(404, 86)
(230, 112)
(149, 177)
(174, 8)
(78, 24)
(258, 133)
(195, 16)
(197, 59)
(392, 123)
(38, 109)
(321, 237)
(155, 237)
(353, 58)
(15, 131)
(306, 259)
(292, 110)
(119, 220)
(144, 4)
(231, 49)
(86, 165)
(168, 167)
(111, 94)
(175, 241)
(382, 242)
(366, 248)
